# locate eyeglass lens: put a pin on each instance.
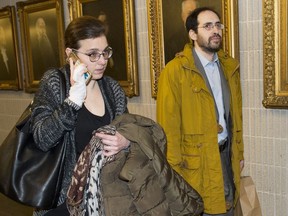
(209, 26)
(107, 53)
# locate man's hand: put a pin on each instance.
(241, 165)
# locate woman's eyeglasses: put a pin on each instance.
(95, 56)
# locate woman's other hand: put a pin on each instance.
(112, 144)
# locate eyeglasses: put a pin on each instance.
(95, 56)
(209, 26)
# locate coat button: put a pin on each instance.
(220, 128)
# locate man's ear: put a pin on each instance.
(192, 35)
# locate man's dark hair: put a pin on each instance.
(192, 19)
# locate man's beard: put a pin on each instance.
(211, 48)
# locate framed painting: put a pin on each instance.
(42, 34)
(10, 74)
(167, 34)
(118, 15)
(275, 57)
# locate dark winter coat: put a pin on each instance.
(140, 181)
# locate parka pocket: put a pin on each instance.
(191, 162)
(191, 151)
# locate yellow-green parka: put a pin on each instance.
(185, 109)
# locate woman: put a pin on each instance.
(86, 107)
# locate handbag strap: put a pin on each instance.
(62, 96)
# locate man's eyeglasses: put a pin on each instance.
(95, 56)
(210, 26)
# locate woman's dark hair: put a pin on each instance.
(81, 28)
(192, 19)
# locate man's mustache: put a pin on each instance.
(215, 36)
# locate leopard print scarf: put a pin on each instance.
(84, 193)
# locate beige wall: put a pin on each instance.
(265, 131)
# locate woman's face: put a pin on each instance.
(89, 46)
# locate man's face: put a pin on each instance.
(41, 27)
(208, 40)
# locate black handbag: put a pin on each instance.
(28, 175)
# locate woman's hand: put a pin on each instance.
(112, 144)
(77, 92)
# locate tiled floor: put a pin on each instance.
(10, 208)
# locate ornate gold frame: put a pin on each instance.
(25, 10)
(130, 85)
(8, 14)
(275, 34)
(156, 40)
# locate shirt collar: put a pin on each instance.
(204, 61)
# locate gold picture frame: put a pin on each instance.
(121, 37)
(275, 57)
(42, 36)
(156, 21)
(10, 73)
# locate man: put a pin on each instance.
(115, 63)
(187, 7)
(43, 54)
(8, 66)
(179, 38)
(199, 106)
(103, 17)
